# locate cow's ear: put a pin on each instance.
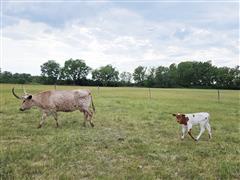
(183, 115)
(29, 97)
(174, 114)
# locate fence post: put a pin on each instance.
(149, 91)
(218, 95)
(55, 86)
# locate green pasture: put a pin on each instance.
(134, 137)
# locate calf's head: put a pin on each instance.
(27, 101)
(181, 118)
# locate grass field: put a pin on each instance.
(134, 137)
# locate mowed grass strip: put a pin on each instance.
(134, 137)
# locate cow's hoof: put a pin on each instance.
(39, 126)
(92, 124)
(120, 139)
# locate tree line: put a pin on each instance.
(188, 74)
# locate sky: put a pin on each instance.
(125, 34)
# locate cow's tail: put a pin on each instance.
(93, 104)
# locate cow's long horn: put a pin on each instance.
(24, 90)
(15, 94)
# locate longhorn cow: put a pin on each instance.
(51, 102)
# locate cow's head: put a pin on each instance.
(181, 118)
(27, 101)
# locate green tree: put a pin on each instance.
(106, 75)
(36, 79)
(162, 76)
(75, 71)
(185, 73)
(150, 77)
(6, 77)
(50, 72)
(227, 78)
(139, 75)
(126, 78)
(236, 77)
(203, 74)
(22, 78)
(173, 76)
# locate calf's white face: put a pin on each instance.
(181, 118)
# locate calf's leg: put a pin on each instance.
(202, 129)
(189, 127)
(183, 132)
(209, 130)
(189, 132)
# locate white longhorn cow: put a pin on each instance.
(51, 102)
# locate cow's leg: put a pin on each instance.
(90, 115)
(44, 115)
(56, 118)
(209, 130)
(85, 118)
(202, 129)
(184, 128)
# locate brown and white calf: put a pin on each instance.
(188, 120)
(51, 102)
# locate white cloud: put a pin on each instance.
(119, 37)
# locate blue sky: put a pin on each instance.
(124, 34)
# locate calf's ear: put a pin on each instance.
(29, 97)
(174, 114)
